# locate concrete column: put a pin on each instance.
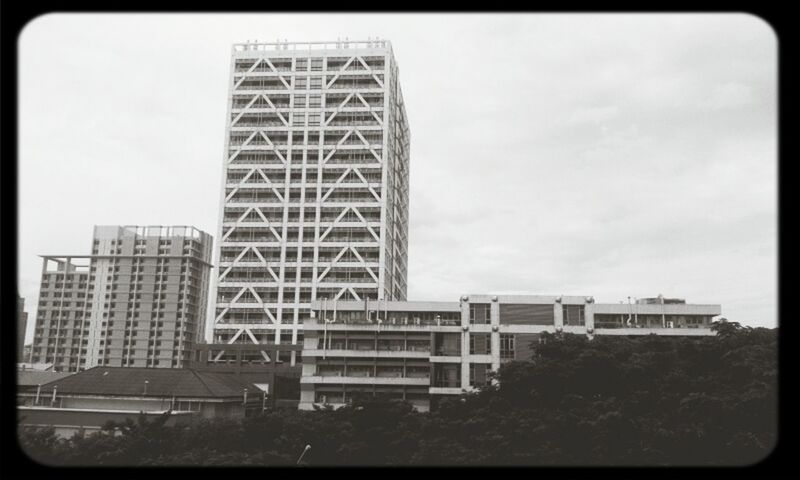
(494, 321)
(310, 340)
(558, 314)
(464, 311)
(588, 314)
(306, 396)
(465, 332)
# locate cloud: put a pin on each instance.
(592, 115)
(607, 155)
(729, 96)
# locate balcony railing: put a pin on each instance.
(448, 352)
(444, 383)
(398, 322)
(369, 374)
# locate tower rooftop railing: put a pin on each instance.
(329, 45)
(164, 230)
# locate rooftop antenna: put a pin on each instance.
(630, 311)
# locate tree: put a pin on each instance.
(609, 401)
(723, 328)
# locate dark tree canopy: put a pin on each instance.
(609, 401)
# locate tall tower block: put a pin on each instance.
(315, 186)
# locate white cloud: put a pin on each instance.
(592, 115)
(729, 95)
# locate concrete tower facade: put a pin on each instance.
(22, 326)
(315, 186)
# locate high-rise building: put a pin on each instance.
(22, 326)
(139, 300)
(315, 186)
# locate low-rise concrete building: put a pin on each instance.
(416, 351)
(85, 401)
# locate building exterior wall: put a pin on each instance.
(67, 423)
(22, 326)
(315, 186)
(71, 414)
(417, 350)
(138, 300)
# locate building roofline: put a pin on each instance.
(190, 257)
(319, 45)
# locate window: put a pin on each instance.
(313, 119)
(298, 119)
(478, 374)
(316, 83)
(314, 101)
(480, 313)
(316, 64)
(300, 101)
(507, 346)
(300, 83)
(480, 343)
(573, 315)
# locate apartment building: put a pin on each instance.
(419, 351)
(139, 300)
(22, 327)
(315, 186)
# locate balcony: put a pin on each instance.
(687, 331)
(446, 383)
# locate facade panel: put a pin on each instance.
(530, 314)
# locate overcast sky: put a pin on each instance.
(605, 155)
